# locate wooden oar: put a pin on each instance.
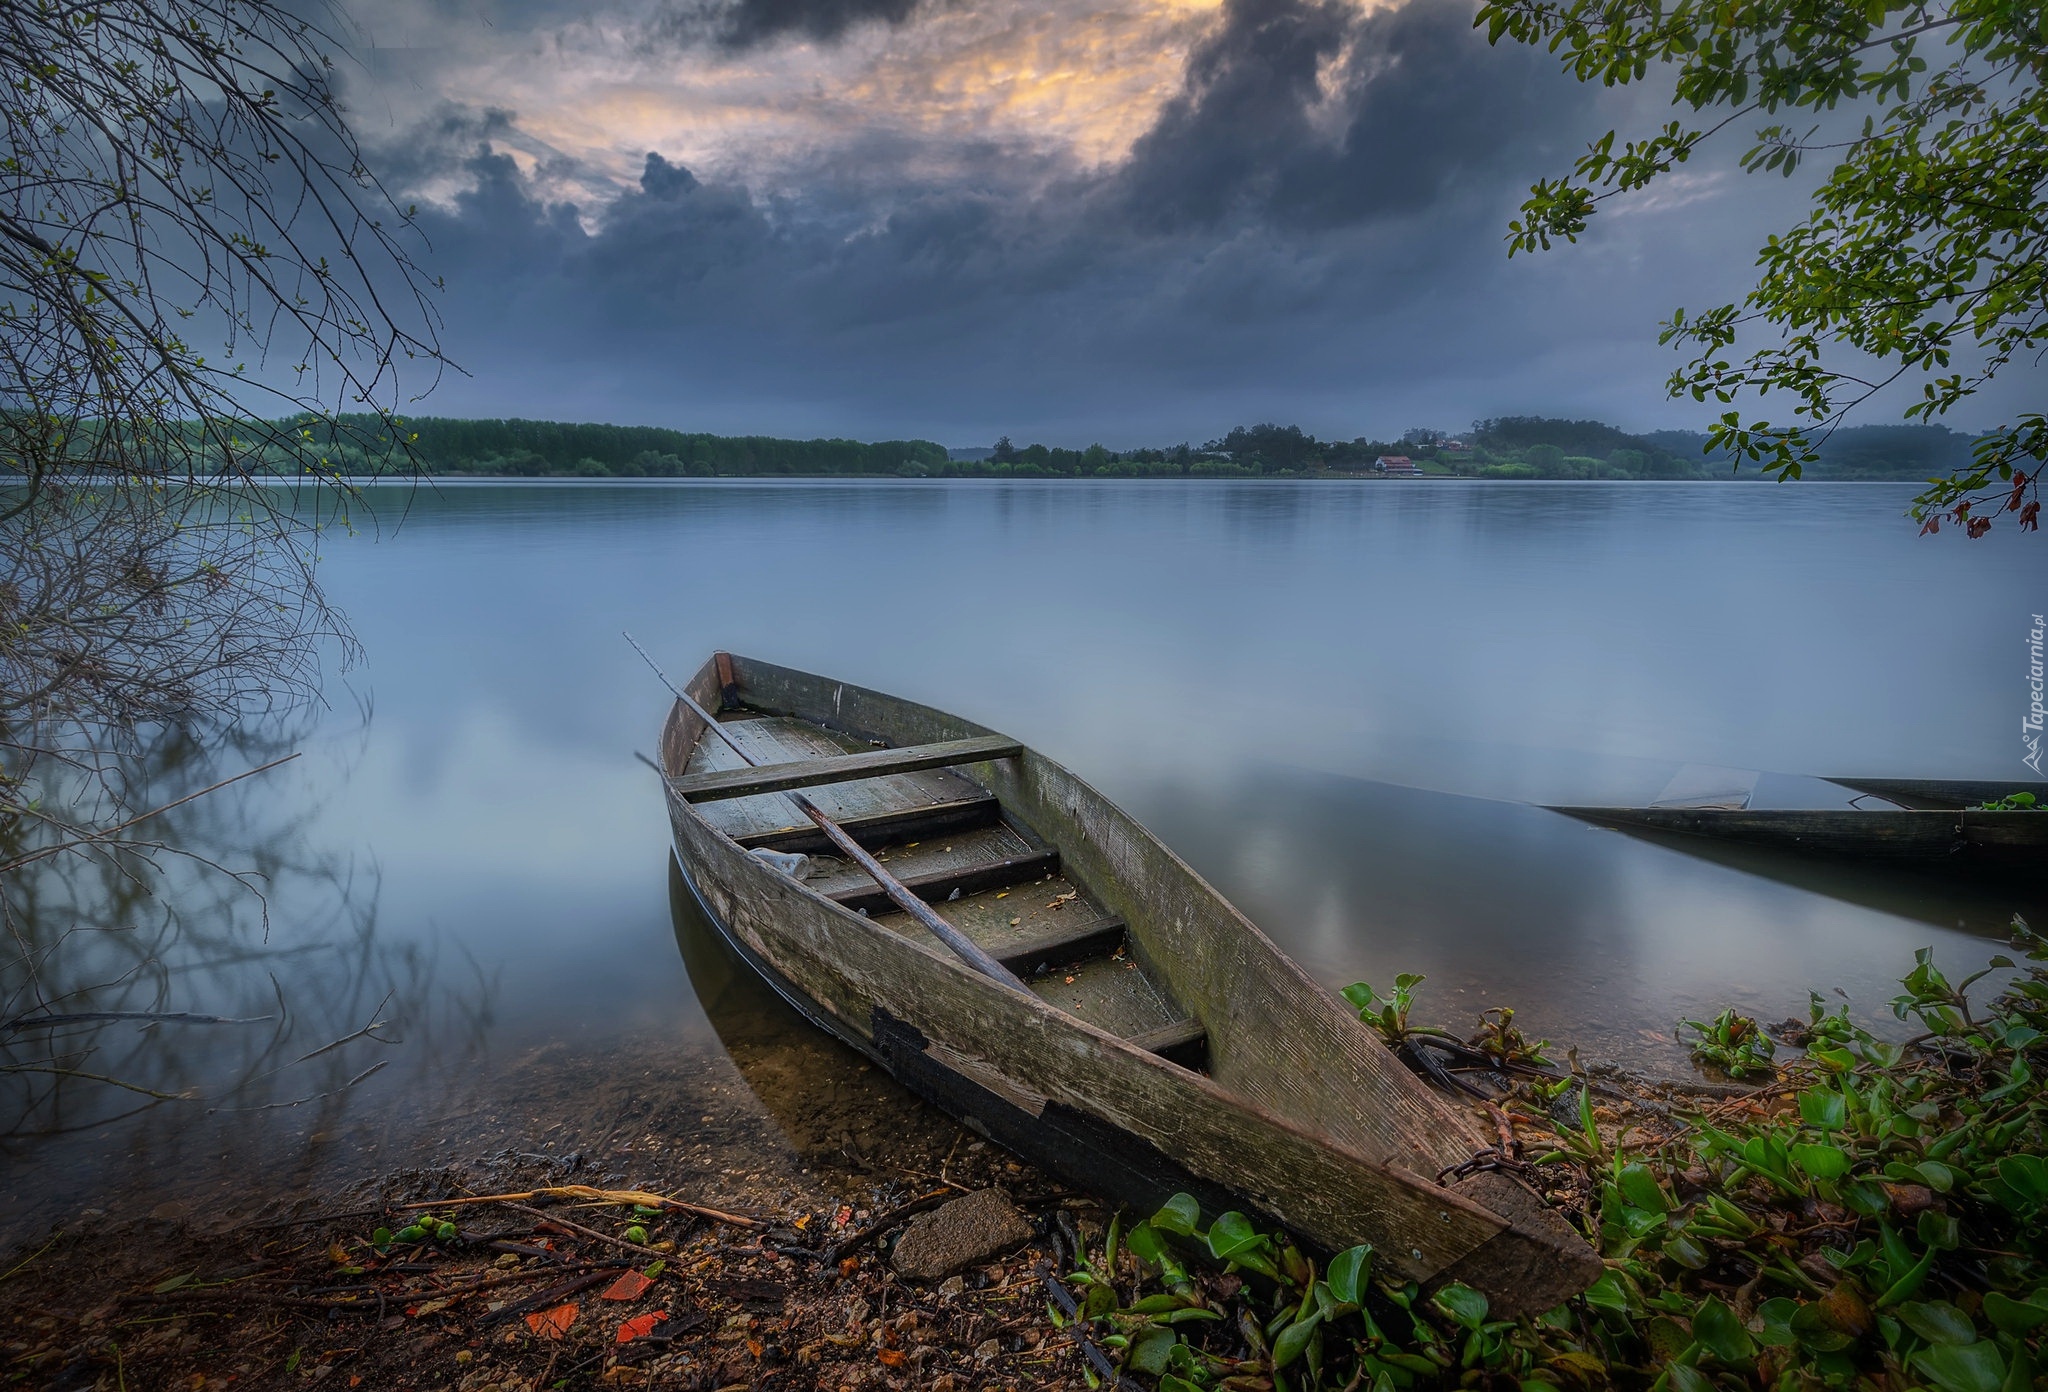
(899, 893)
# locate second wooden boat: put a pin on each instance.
(1932, 824)
(1023, 954)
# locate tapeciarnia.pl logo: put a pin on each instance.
(2030, 728)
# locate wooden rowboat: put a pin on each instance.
(1933, 824)
(1104, 1012)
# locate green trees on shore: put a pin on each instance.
(1507, 447)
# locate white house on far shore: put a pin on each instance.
(1395, 464)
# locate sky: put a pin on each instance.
(1073, 221)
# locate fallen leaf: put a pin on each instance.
(640, 1326)
(849, 1265)
(174, 1283)
(803, 1221)
(631, 1285)
(1004, 895)
(891, 1358)
(337, 1254)
(552, 1324)
(428, 1307)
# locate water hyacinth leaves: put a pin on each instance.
(1349, 1274)
(1233, 1240)
(1734, 1043)
(1883, 1207)
(1388, 1014)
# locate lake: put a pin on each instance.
(1337, 700)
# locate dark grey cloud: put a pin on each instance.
(1311, 114)
(1311, 231)
(744, 24)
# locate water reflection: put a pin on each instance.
(235, 914)
(832, 1107)
(1598, 939)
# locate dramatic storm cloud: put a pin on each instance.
(1127, 221)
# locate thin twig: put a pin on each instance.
(117, 829)
(585, 1191)
(171, 1017)
(576, 1227)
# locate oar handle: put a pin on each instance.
(900, 894)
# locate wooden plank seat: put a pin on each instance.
(1182, 1041)
(937, 885)
(845, 768)
(873, 829)
(1039, 952)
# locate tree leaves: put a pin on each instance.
(1927, 238)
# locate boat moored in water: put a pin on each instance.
(1951, 825)
(1026, 956)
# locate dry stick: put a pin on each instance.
(584, 1191)
(887, 1221)
(899, 893)
(261, 1297)
(553, 1295)
(317, 1218)
(577, 1228)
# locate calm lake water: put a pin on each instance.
(1338, 701)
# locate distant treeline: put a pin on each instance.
(1502, 447)
(553, 449)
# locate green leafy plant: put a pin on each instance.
(1874, 1217)
(1731, 1042)
(2012, 802)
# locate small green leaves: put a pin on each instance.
(1349, 1272)
(1294, 1340)
(1716, 1329)
(1822, 1162)
(1179, 1215)
(1975, 1367)
(2014, 1317)
(1823, 1108)
(1465, 1306)
(1938, 1322)
(1640, 1188)
(1232, 1238)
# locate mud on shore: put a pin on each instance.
(537, 1294)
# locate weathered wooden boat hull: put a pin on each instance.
(1948, 839)
(1058, 1139)
(1302, 1115)
(1943, 792)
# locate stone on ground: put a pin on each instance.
(970, 1229)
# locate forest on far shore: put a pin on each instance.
(1509, 447)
